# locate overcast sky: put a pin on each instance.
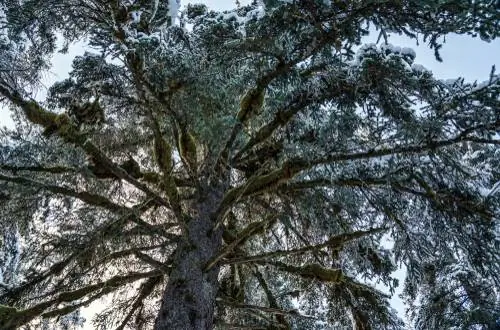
(462, 56)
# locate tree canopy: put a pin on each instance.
(258, 168)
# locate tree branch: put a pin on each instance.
(273, 303)
(151, 261)
(308, 96)
(292, 167)
(86, 197)
(52, 169)
(69, 133)
(145, 290)
(260, 86)
(348, 182)
(242, 236)
(335, 242)
(19, 318)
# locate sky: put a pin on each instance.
(462, 56)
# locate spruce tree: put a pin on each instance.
(258, 168)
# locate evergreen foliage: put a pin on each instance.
(260, 169)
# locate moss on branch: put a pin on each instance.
(313, 271)
(11, 318)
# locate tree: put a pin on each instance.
(253, 171)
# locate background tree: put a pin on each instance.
(254, 171)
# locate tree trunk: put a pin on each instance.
(189, 298)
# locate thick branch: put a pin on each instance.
(242, 236)
(151, 261)
(307, 97)
(19, 318)
(73, 307)
(101, 159)
(375, 153)
(99, 235)
(88, 198)
(292, 167)
(42, 169)
(69, 133)
(265, 182)
(334, 242)
(349, 182)
(312, 271)
(248, 100)
(12, 295)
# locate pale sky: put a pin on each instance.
(462, 57)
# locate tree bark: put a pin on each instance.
(189, 298)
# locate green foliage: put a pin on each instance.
(325, 164)
(7, 314)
